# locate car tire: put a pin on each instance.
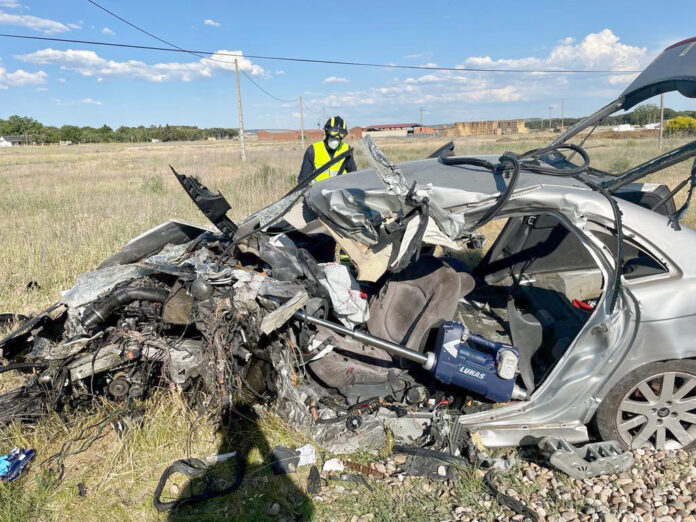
(638, 413)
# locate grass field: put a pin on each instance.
(64, 209)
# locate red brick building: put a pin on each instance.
(290, 135)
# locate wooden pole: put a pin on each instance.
(301, 124)
(239, 112)
(662, 118)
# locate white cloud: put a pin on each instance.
(42, 25)
(335, 79)
(280, 71)
(90, 64)
(62, 80)
(90, 101)
(20, 78)
(468, 93)
(108, 32)
(211, 23)
(600, 50)
(10, 4)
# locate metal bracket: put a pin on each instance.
(590, 460)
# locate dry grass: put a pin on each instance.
(65, 209)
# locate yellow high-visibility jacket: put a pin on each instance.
(322, 157)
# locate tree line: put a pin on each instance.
(641, 115)
(34, 131)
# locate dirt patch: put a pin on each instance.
(614, 135)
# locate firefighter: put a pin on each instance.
(321, 152)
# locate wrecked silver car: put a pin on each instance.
(346, 305)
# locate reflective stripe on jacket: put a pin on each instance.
(322, 157)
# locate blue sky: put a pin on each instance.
(60, 83)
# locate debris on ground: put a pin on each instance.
(15, 463)
(591, 460)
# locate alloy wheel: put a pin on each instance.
(659, 412)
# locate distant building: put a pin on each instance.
(11, 141)
(487, 128)
(355, 133)
(398, 129)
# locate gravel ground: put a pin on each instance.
(661, 486)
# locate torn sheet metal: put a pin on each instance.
(389, 173)
(246, 289)
(336, 438)
(92, 284)
(278, 317)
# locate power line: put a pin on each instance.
(309, 108)
(195, 53)
(318, 61)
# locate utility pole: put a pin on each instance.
(420, 115)
(239, 111)
(662, 118)
(550, 111)
(301, 123)
(562, 111)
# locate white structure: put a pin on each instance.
(624, 127)
(4, 142)
(652, 126)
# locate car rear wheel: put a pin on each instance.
(653, 406)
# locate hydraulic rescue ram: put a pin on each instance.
(489, 371)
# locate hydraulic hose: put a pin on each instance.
(505, 161)
(505, 195)
(553, 171)
(100, 311)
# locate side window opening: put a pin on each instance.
(637, 262)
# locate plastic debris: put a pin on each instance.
(15, 463)
(222, 457)
(333, 465)
(313, 481)
(308, 455)
(590, 460)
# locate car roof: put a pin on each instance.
(452, 185)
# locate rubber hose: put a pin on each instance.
(23, 366)
(466, 160)
(100, 311)
(431, 454)
(505, 195)
(553, 171)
